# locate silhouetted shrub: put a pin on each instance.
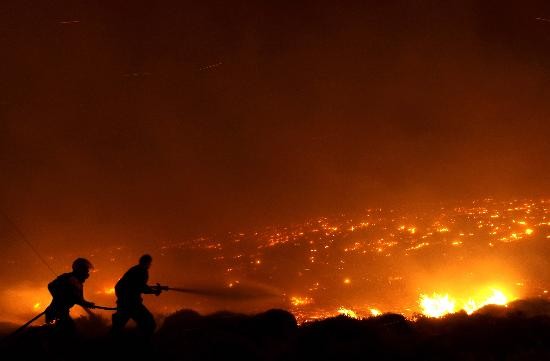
(520, 331)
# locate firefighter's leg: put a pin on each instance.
(144, 320)
(119, 319)
(63, 337)
(50, 314)
(64, 323)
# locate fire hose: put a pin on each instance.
(29, 322)
(104, 308)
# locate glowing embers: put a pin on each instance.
(232, 284)
(359, 314)
(301, 301)
(517, 236)
(438, 305)
(418, 246)
(411, 229)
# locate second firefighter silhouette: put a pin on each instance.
(129, 302)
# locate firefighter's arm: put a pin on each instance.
(86, 304)
(78, 293)
(149, 290)
(152, 290)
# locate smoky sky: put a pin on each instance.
(162, 119)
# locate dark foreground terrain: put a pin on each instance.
(518, 332)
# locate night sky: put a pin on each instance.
(147, 120)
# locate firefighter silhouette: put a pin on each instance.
(67, 290)
(129, 301)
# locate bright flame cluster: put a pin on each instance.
(438, 305)
(347, 312)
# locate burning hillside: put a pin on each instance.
(436, 261)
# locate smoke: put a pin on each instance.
(115, 134)
(362, 104)
(238, 292)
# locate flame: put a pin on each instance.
(439, 305)
(497, 297)
(109, 291)
(36, 306)
(375, 312)
(347, 312)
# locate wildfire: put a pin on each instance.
(439, 305)
(347, 312)
(496, 298)
(339, 258)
